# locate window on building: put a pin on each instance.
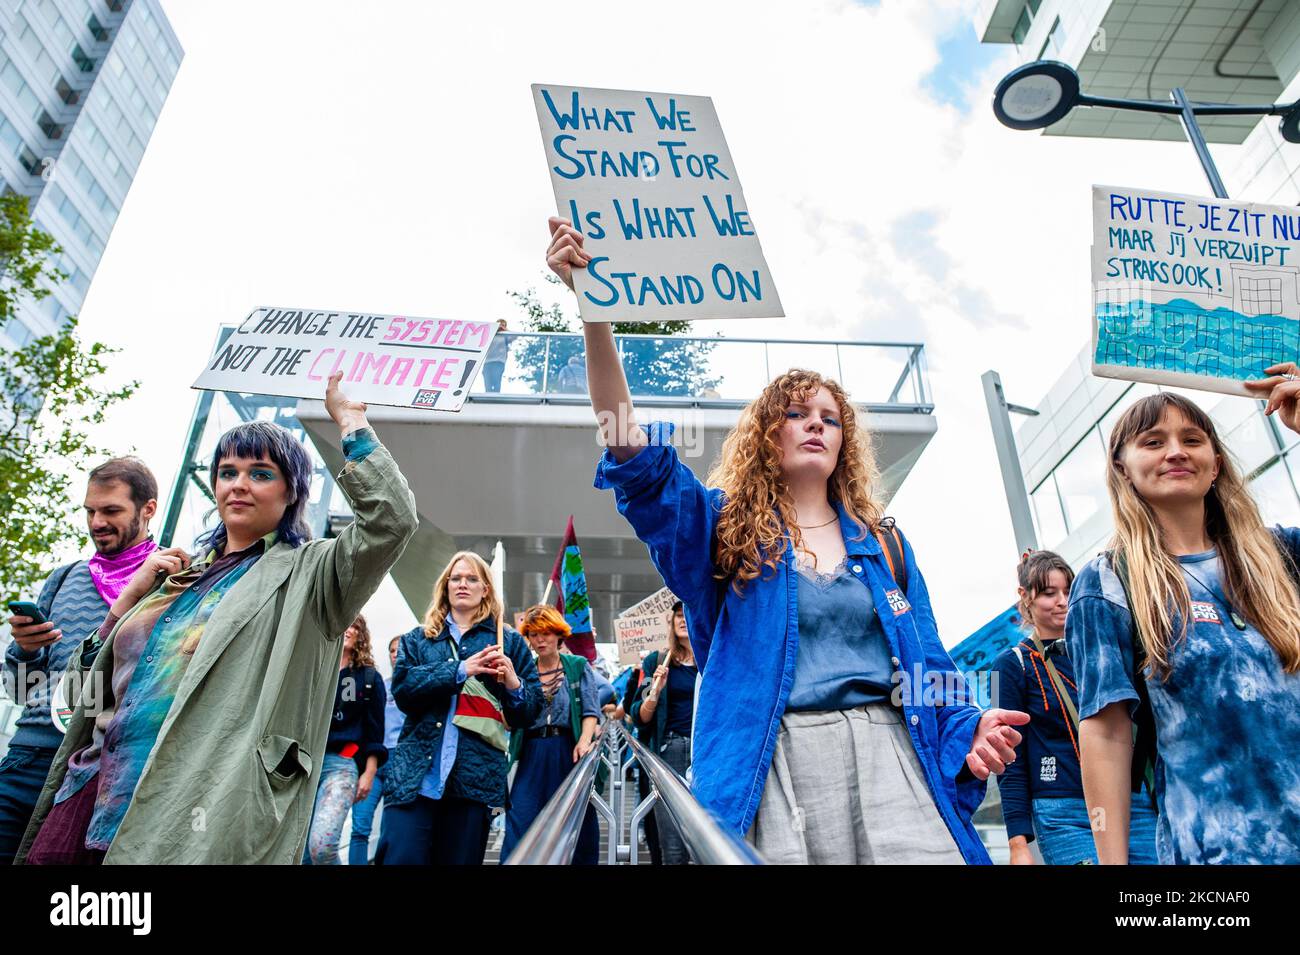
(1048, 514)
(114, 5)
(18, 331)
(67, 93)
(30, 161)
(1251, 442)
(1025, 21)
(49, 127)
(97, 29)
(1054, 43)
(1081, 479)
(1275, 494)
(84, 63)
(10, 137)
(30, 103)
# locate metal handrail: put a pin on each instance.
(553, 836)
(707, 841)
(718, 339)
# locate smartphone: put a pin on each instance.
(25, 608)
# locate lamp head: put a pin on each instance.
(1290, 125)
(1036, 95)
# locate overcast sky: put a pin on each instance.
(386, 157)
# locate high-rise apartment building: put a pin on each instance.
(81, 85)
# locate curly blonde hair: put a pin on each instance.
(758, 515)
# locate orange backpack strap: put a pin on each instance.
(891, 542)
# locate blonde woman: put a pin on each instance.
(665, 706)
(1194, 608)
(461, 696)
(800, 627)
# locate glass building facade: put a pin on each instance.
(82, 83)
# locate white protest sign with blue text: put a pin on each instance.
(1192, 292)
(648, 180)
(394, 360)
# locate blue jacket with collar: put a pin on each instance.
(424, 681)
(746, 646)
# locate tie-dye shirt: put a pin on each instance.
(151, 651)
(1227, 718)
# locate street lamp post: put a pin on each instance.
(1038, 94)
(1013, 479)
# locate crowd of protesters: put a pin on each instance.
(223, 705)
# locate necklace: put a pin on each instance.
(813, 527)
(551, 680)
(1237, 620)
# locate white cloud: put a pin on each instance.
(313, 154)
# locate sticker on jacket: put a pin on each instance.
(897, 602)
(1047, 769)
(1203, 612)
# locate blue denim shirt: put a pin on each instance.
(746, 646)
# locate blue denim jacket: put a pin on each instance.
(746, 646)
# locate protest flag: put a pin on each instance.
(570, 582)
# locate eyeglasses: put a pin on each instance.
(466, 581)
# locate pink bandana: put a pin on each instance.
(112, 572)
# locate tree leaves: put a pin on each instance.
(50, 395)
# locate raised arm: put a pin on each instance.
(611, 399)
(385, 520)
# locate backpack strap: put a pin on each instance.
(1144, 722)
(891, 542)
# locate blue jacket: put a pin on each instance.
(746, 646)
(424, 681)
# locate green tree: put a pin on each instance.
(653, 366)
(51, 393)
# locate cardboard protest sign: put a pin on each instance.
(385, 359)
(637, 636)
(1192, 292)
(659, 602)
(648, 180)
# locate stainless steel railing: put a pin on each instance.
(707, 842)
(553, 836)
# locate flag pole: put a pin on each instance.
(546, 597)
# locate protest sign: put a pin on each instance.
(659, 602)
(1192, 292)
(637, 636)
(649, 182)
(385, 359)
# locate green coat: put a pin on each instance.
(232, 776)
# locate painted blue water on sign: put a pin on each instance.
(1181, 336)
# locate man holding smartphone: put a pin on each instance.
(121, 499)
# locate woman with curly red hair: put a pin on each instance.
(831, 725)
